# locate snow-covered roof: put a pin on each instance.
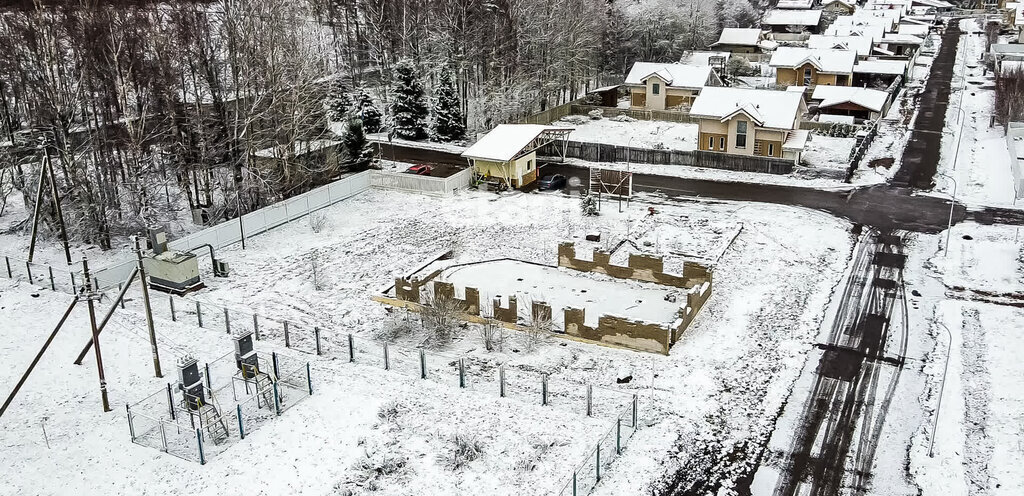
(785, 17)
(891, 67)
(701, 58)
(794, 4)
(796, 140)
(870, 99)
(768, 108)
(1000, 48)
(938, 4)
(902, 39)
(848, 3)
(674, 75)
(866, 30)
(824, 60)
(506, 141)
(859, 44)
(739, 37)
(913, 29)
(836, 119)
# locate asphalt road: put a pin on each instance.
(883, 206)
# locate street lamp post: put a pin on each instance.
(952, 203)
(942, 387)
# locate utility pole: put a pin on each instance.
(91, 295)
(56, 201)
(149, 312)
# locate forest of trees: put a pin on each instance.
(144, 106)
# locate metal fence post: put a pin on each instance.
(74, 285)
(170, 299)
(199, 314)
(241, 427)
(227, 321)
(618, 435)
(273, 361)
(53, 284)
(309, 380)
(462, 372)
(597, 465)
(199, 440)
(120, 286)
(351, 349)
(163, 436)
(501, 381)
(28, 268)
(387, 361)
(590, 400)
(635, 401)
(209, 382)
(423, 364)
(544, 389)
(131, 427)
(574, 483)
(277, 401)
(170, 400)
(287, 341)
(7, 261)
(316, 334)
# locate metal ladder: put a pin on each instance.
(265, 388)
(213, 422)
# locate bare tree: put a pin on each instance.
(441, 316)
(539, 327)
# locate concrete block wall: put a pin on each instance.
(635, 335)
(640, 267)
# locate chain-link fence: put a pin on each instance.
(483, 376)
(47, 276)
(609, 446)
(196, 429)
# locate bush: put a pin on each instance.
(464, 449)
(317, 221)
(588, 205)
(596, 114)
(441, 317)
(623, 118)
(578, 120)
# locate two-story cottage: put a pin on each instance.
(863, 45)
(809, 67)
(753, 122)
(656, 86)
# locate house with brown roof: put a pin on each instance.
(657, 86)
(764, 123)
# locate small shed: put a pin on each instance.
(509, 152)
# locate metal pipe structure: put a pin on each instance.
(39, 355)
(942, 387)
(91, 295)
(213, 258)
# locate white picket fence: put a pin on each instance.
(258, 221)
(441, 186)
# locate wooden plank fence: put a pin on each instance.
(555, 113)
(599, 152)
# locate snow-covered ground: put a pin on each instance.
(975, 305)
(982, 168)
(659, 135)
(828, 153)
(730, 372)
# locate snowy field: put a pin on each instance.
(827, 155)
(659, 135)
(975, 293)
(772, 283)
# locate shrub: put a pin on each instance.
(464, 449)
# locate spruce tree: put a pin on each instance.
(358, 154)
(448, 120)
(368, 112)
(339, 104)
(409, 109)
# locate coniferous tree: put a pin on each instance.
(368, 112)
(358, 153)
(409, 110)
(449, 124)
(339, 104)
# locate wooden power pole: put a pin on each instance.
(91, 295)
(149, 312)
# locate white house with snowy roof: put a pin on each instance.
(764, 123)
(795, 4)
(860, 44)
(509, 152)
(809, 67)
(792, 21)
(743, 41)
(859, 103)
(658, 86)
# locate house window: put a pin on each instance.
(721, 143)
(655, 88)
(529, 165)
(741, 134)
(771, 149)
(807, 76)
(711, 143)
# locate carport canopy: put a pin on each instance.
(510, 141)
